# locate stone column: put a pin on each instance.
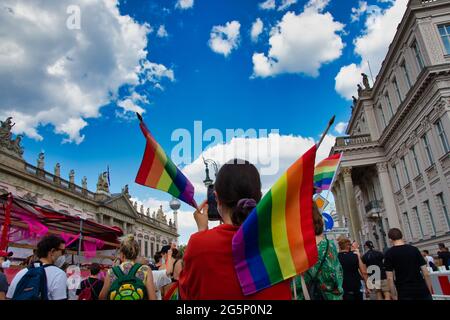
(337, 202)
(351, 202)
(343, 204)
(125, 228)
(388, 195)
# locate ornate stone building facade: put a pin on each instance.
(395, 170)
(35, 184)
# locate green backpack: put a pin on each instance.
(127, 286)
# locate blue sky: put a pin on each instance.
(194, 83)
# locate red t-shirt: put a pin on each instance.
(209, 274)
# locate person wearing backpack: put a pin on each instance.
(375, 259)
(323, 281)
(130, 280)
(91, 287)
(42, 280)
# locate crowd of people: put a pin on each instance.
(206, 269)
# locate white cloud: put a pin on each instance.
(371, 46)
(184, 4)
(72, 128)
(267, 5)
(224, 39)
(257, 29)
(294, 48)
(262, 152)
(50, 74)
(128, 105)
(358, 12)
(162, 32)
(340, 127)
(155, 72)
(286, 4)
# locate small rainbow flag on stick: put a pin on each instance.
(159, 172)
(325, 171)
(277, 240)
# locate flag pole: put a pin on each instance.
(330, 123)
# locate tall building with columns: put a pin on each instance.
(35, 184)
(395, 170)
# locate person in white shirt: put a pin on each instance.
(161, 277)
(429, 259)
(50, 251)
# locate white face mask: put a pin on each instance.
(163, 261)
(60, 261)
(6, 264)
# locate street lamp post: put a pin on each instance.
(208, 181)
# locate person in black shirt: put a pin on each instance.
(375, 258)
(93, 282)
(444, 255)
(412, 280)
(353, 269)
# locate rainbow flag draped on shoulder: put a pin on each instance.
(277, 240)
(325, 171)
(159, 172)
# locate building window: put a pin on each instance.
(152, 249)
(416, 162)
(405, 169)
(397, 90)
(406, 74)
(382, 115)
(408, 224)
(428, 208)
(388, 102)
(418, 55)
(428, 151)
(442, 136)
(140, 245)
(157, 247)
(146, 249)
(444, 31)
(416, 212)
(440, 197)
(396, 177)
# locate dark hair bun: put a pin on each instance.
(242, 210)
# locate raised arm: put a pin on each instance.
(106, 286)
(150, 286)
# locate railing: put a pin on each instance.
(62, 183)
(375, 205)
(157, 223)
(353, 140)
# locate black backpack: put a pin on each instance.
(33, 285)
(314, 290)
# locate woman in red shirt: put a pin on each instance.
(208, 272)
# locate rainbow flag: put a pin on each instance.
(172, 292)
(325, 171)
(159, 172)
(277, 240)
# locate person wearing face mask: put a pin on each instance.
(208, 269)
(50, 252)
(4, 264)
